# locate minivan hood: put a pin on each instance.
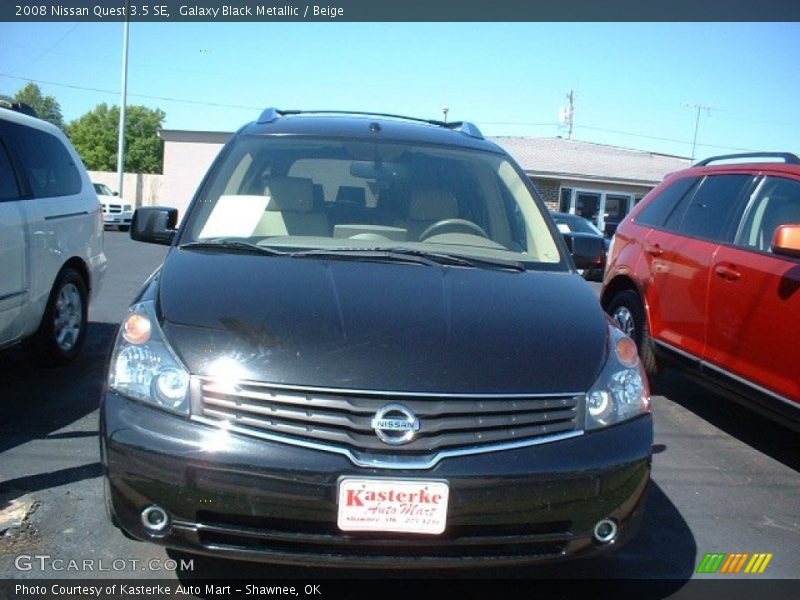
(358, 325)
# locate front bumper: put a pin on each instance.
(117, 218)
(241, 497)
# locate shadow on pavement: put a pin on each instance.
(37, 401)
(766, 436)
(664, 550)
(43, 481)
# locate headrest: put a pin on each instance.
(432, 205)
(352, 195)
(290, 194)
(318, 194)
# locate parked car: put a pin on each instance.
(51, 239)
(368, 346)
(574, 226)
(705, 273)
(116, 212)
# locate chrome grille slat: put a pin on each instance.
(367, 406)
(364, 441)
(294, 399)
(364, 424)
(342, 419)
(317, 417)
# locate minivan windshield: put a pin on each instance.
(567, 223)
(102, 189)
(342, 196)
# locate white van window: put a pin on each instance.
(8, 181)
(50, 169)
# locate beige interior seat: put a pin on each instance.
(290, 209)
(428, 206)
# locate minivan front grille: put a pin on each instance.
(344, 419)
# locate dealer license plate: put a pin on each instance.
(406, 506)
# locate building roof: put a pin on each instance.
(198, 137)
(571, 159)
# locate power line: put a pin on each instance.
(663, 139)
(525, 123)
(109, 61)
(115, 92)
(619, 132)
(46, 50)
(249, 107)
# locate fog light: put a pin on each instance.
(605, 531)
(155, 519)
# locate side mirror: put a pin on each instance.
(154, 224)
(588, 251)
(786, 241)
(115, 193)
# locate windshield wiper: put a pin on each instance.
(408, 255)
(411, 255)
(464, 261)
(236, 246)
(372, 254)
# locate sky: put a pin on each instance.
(636, 85)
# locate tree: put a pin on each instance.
(95, 138)
(46, 107)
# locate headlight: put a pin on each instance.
(144, 367)
(621, 391)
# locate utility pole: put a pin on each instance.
(698, 108)
(445, 110)
(570, 113)
(122, 103)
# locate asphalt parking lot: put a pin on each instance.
(724, 479)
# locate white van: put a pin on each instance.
(51, 239)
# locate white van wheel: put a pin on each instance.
(63, 328)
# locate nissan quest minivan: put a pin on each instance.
(368, 346)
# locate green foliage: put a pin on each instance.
(95, 138)
(46, 107)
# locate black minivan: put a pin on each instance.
(368, 346)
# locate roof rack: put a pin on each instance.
(788, 157)
(272, 114)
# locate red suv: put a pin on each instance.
(705, 272)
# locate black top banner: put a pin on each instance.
(164, 11)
